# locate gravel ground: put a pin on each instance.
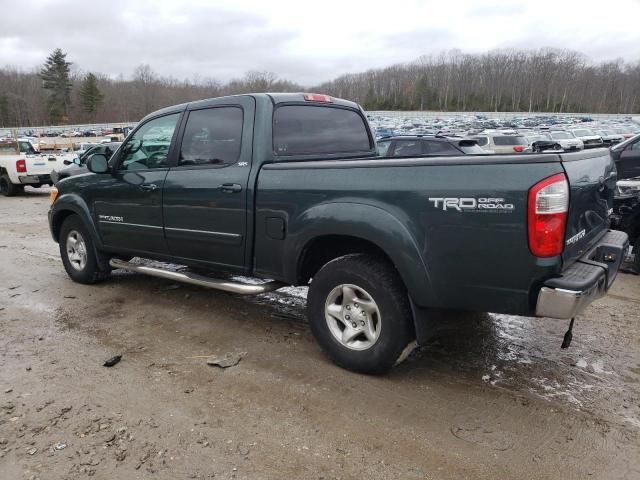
(492, 398)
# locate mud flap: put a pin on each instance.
(427, 322)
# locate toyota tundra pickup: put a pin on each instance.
(288, 188)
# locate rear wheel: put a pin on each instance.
(359, 313)
(78, 253)
(636, 252)
(7, 188)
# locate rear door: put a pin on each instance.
(205, 193)
(592, 183)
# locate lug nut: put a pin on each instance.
(348, 307)
(347, 317)
(355, 305)
(362, 322)
(354, 324)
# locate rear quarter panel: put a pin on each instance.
(469, 259)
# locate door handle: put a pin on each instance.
(148, 187)
(230, 188)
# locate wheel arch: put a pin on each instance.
(331, 230)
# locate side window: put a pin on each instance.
(439, 148)
(383, 148)
(636, 146)
(212, 137)
(149, 146)
(407, 148)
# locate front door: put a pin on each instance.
(127, 203)
(205, 194)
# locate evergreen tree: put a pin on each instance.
(91, 97)
(55, 78)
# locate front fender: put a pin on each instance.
(367, 222)
(72, 202)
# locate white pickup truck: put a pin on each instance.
(21, 164)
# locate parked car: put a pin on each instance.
(418, 145)
(384, 132)
(77, 166)
(627, 131)
(609, 137)
(289, 187)
(80, 148)
(627, 157)
(542, 142)
(589, 138)
(567, 140)
(502, 143)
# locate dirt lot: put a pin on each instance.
(495, 398)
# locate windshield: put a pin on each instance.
(583, 132)
(561, 135)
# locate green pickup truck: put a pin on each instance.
(288, 188)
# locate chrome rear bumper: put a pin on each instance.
(586, 280)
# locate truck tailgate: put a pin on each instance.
(592, 183)
(40, 164)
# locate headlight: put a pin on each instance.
(53, 194)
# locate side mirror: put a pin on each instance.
(97, 163)
(77, 161)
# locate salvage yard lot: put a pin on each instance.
(494, 397)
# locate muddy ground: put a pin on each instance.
(495, 398)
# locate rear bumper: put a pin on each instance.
(586, 280)
(35, 179)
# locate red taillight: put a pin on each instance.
(21, 166)
(317, 97)
(547, 215)
(518, 148)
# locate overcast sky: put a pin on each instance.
(307, 42)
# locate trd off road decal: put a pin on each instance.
(471, 204)
(111, 218)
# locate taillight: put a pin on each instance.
(518, 148)
(317, 97)
(547, 215)
(21, 166)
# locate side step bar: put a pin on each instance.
(200, 280)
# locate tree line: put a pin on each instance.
(548, 80)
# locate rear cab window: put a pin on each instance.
(319, 130)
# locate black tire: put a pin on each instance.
(379, 280)
(636, 253)
(7, 188)
(87, 272)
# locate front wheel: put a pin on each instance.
(359, 313)
(636, 253)
(78, 253)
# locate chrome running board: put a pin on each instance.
(200, 280)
